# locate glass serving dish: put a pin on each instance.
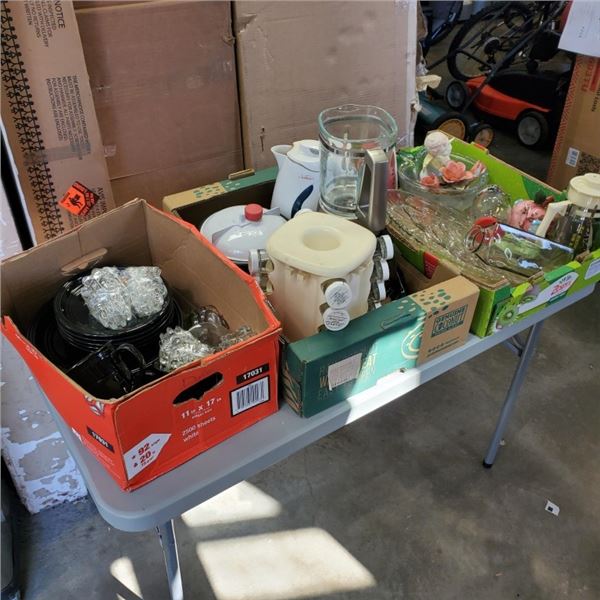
(459, 196)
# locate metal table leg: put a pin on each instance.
(166, 535)
(525, 353)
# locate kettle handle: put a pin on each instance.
(371, 206)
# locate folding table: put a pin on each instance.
(156, 504)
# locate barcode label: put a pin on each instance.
(249, 395)
(572, 157)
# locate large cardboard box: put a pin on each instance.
(297, 58)
(161, 425)
(577, 147)
(163, 78)
(48, 113)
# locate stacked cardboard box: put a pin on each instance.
(577, 147)
(160, 112)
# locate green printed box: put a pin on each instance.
(329, 367)
(500, 307)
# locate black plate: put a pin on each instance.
(44, 335)
(73, 315)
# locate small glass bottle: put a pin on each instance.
(259, 262)
(378, 292)
(381, 270)
(384, 248)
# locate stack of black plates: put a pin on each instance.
(43, 334)
(80, 330)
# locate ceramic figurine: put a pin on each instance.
(438, 148)
(439, 169)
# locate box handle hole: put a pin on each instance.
(196, 391)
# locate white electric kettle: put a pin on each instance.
(297, 183)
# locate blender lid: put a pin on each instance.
(584, 190)
(238, 229)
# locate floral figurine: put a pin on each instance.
(439, 169)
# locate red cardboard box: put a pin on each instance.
(160, 426)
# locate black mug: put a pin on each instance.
(105, 374)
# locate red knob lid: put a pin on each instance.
(253, 212)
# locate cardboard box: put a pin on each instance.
(165, 423)
(297, 58)
(48, 113)
(577, 147)
(258, 186)
(504, 304)
(329, 367)
(163, 78)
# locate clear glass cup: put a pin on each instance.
(346, 133)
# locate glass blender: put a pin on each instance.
(358, 162)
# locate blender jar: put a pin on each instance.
(356, 142)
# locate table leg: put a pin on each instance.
(525, 354)
(166, 535)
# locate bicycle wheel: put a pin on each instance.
(486, 38)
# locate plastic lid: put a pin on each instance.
(234, 234)
(386, 246)
(385, 269)
(335, 319)
(379, 292)
(338, 294)
(584, 190)
(254, 262)
(253, 212)
(306, 153)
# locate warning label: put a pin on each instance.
(45, 18)
(68, 113)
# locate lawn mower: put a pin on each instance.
(533, 101)
(434, 116)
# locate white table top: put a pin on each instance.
(265, 443)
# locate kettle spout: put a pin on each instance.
(280, 153)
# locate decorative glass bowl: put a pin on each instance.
(459, 195)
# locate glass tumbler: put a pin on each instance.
(347, 133)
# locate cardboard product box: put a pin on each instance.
(297, 58)
(256, 187)
(504, 305)
(156, 428)
(163, 77)
(329, 367)
(577, 147)
(48, 113)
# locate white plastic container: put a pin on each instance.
(309, 251)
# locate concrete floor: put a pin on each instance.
(395, 506)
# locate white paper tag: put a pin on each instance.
(343, 371)
(593, 269)
(572, 157)
(144, 453)
(552, 508)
